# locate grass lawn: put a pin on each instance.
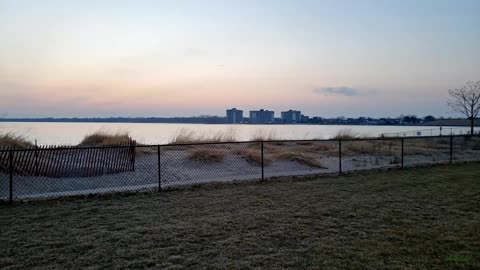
(423, 218)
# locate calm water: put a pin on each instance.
(72, 133)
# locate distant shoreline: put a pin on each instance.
(436, 123)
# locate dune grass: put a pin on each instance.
(273, 152)
(299, 157)
(375, 148)
(265, 135)
(14, 140)
(253, 156)
(97, 138)
(206, 155)
(423, 218)
(187, 136)
(346, 134)
(105, 138)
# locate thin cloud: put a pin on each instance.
(342, 91)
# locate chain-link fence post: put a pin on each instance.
(133, 153)
(159, 165)
(339, 156)
(402, 158)
(36, 158)
(263, 165)
(10, 169)
(451, 148)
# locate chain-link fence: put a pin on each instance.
(371, 154)
(438, 131)
(70, 171)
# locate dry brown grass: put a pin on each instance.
(423, 218)
(11, 139)
(206, 155)
(346, 134)
(359, 147)
(305, 143)
(253, 156)
(323, 147)
(420, 151)
(370, 148)
(299, 157)
(265, 135)
(425, 147)
(186, 136)
(104, 138)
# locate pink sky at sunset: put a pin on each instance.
(162, 59)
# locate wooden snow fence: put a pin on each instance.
(68, 161)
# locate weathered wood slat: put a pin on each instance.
(93, 161)
(50, 161)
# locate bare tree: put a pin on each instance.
(466, 100)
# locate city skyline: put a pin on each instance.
(153, 58)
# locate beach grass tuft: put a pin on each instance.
(187, 136)
(14, 140)
(264, 135)
(346, 134)
(253, 156)
(104, 138)
(299, 157)
(206, 155)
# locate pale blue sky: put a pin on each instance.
(165, 58)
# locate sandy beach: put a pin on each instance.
(178, 169)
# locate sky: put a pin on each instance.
(185, 58)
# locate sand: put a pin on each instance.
(178, 170)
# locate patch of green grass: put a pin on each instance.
(423, 218)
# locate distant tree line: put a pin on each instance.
(407, 119)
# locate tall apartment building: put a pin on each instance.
(262, 117)
(291, 117)
(234, 116)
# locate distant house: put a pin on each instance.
(234, 116)
(291, 117)
(262, 117)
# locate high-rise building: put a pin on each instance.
(291, 117)
(234, 116)
(262, 117)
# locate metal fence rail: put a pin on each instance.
(67, 171)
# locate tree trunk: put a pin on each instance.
(472, 121)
